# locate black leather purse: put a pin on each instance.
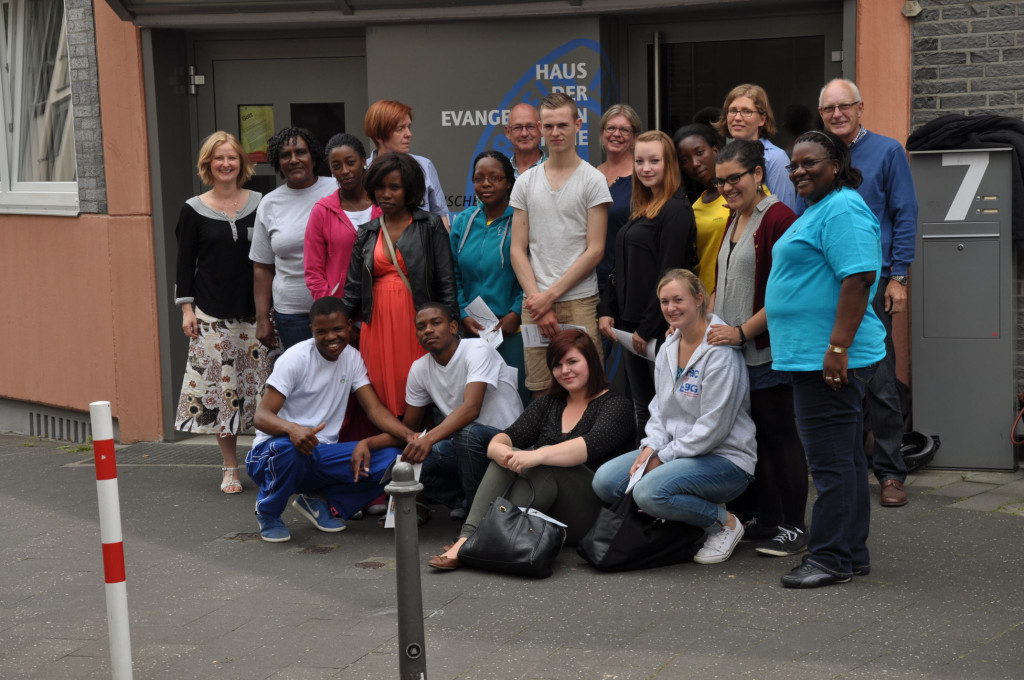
(513, 541)
(623, 539)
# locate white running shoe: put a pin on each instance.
(719, 546)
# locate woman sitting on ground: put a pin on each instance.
(557, 443)
(699, 451)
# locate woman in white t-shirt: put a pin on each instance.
(278, 276)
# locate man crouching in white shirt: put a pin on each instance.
(296, 449)
(476, 394)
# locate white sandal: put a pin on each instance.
(233, 481)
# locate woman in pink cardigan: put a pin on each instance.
(333, 223)
(330, 235)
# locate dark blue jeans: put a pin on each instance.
(292, 328)
(884, 416)
(455, 466)
(831, 426)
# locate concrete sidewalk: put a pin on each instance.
(208, 599)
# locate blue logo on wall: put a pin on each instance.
(579, 69)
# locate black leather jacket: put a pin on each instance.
(427, 253)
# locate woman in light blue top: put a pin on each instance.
(746, 114)
(824, 332)
(481, 238)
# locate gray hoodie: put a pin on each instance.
(707, 409)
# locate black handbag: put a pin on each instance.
(513, 541)
(623, 539)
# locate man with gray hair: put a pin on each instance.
(523, 132)
(888, 189)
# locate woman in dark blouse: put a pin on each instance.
(660, 236)
(619, 127)
(226, 366)
(557, 443)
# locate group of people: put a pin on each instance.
(751, 292)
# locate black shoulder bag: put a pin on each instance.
(513, 541)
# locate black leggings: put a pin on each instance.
(779, 492)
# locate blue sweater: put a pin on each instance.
(888, 189)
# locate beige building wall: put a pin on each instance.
(883, 76)
(79, 293)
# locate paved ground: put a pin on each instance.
(209, 600)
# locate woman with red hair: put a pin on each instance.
(557, 443)
(389, 124)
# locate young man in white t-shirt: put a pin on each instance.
(296, 449)
(473, 389)
(558, 234)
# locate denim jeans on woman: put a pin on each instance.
(686, 490)
(831, 426)
(292, 328)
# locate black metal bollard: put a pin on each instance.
(412, 650)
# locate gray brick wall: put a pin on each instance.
(968, 58)
(85, 102)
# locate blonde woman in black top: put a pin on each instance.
(227, 367)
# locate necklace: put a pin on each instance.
(229, 205)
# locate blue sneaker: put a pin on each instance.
(272, 529)
(317, 511)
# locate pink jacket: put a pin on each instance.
(330, 236)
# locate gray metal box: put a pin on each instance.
(963, 307)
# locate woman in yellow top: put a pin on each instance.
(697, 145)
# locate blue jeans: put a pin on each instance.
(455, 466)
(685, 489)
(884, 415)
(292, 328)
(832, 429)
(280, 471)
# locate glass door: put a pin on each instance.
(678, 69)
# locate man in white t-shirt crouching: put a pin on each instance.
(475, 392)
(296, 449)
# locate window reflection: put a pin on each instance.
(44, 131)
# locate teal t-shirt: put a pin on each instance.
(834, 238)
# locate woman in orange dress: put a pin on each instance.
(401, 260)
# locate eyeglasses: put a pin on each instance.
(742, 113)
(516, 129)
(624, 131)
(808, 164)
(844, 108)
(731, 180)
(493, 179)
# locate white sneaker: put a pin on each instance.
(719, 546)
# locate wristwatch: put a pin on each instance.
(899, 278)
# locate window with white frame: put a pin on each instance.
(37, 144)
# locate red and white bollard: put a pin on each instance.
(110, 537)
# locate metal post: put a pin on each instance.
(110, 537)
(412, 650)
